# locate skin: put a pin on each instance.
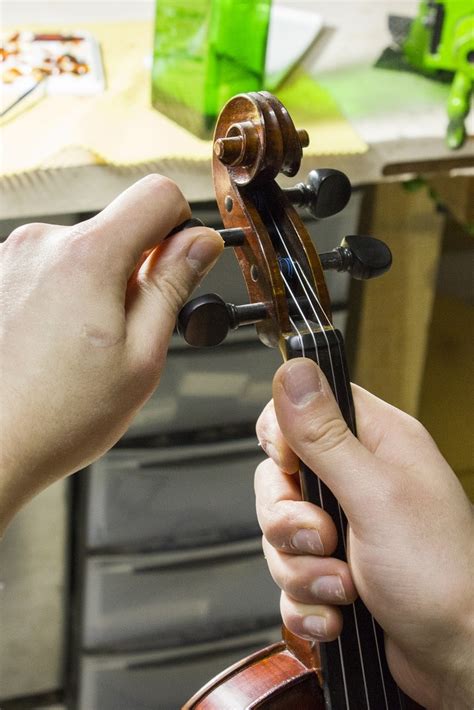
(410, 532)
(87, 316)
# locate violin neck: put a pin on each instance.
(354, 668)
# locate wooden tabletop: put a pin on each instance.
(397, 117)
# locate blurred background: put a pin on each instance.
(133, 583)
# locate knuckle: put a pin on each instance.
(25, 232)
(278, 522)
(164, 185)
(276, 566)
(416, 428)
(262, 420)
(172, 291)
(78, 245)
(265, 426)
(326, 435)
(286, 580)
(77, 233)
(159, 182)
(85, 227)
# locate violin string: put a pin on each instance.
(330, 326)
(302, 315)
(302, 277)
(300, 273)
(321, 498)
(341, 654)
(300, 337)
(379, 659)
(320, 490)
(333, 376)
(310, 330)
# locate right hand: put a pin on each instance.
(411, 557)
(87, 316)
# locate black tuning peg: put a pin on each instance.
(233, 237)
(362, 257)
(326, 192)
(206, 320)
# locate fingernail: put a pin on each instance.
(315, 626)
(301, 382)
(308, 540)
(329, 589)
(203, 252)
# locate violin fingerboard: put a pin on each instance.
(355, 670)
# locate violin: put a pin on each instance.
(255, 140)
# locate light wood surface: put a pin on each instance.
(395, 310)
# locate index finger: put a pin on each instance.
(136, 221)
(273, 442)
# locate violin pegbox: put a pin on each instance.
(255, 140)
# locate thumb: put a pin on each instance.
(313, 426)
(164, 282)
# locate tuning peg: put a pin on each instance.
(233, 237)
(362, 257)
(326, 192)
(206, 320)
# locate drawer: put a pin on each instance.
(176, 497)
(211, 388)
(208, 388)
(161, 680)
(157, 601)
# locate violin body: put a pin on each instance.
(254, 141)
(271, 678)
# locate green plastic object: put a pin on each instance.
(441, 38)
(205, 52)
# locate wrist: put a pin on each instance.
(457, 691)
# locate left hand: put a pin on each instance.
(409, 538)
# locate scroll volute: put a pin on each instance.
(254, 140)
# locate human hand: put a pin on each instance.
(410, 533)
(87, 315)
